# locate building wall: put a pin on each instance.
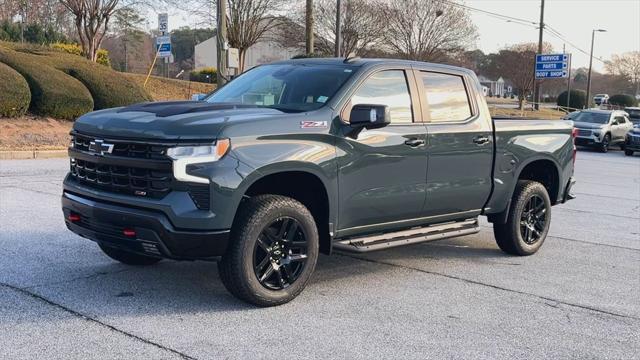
(260, 53)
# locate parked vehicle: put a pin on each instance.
(601, 99)
(634, 115)
(572, 115)
(307, 156)
(632, 141)
(601, 128)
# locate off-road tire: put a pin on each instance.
(128, 258)
(236, 268)
(604, 145)
(508, 235)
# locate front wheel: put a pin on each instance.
(272, 252)
(604, 146)
(628, 152)
(528, 220)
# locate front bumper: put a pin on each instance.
(632, 143)
(587, 141)
(106, 223)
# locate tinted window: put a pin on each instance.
(447, 97)
(287, 87)
(620, 120)
(387, 88)
(591, 117)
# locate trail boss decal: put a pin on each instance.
(313, 124)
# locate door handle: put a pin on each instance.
(481, 140)
(414, 142)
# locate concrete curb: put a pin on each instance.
(32, 154)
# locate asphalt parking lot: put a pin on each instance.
(60, 297)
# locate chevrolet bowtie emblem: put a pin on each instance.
(100, 147)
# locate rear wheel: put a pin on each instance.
(272, 252)
(628, 152)
(128, 258)
(528, 220)
(604, 145)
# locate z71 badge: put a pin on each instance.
(313, 124)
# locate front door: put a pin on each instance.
(382, 172)
(460, 147)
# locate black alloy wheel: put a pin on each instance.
(533, 219)
(280, 253)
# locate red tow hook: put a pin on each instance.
(129, 232)
(73, 217)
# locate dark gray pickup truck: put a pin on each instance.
(309, 156)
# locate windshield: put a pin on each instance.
(633, 113)
(591, 117)
(286, 87)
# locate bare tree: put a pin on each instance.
(249, 22)
(363, 25)
(627, 65)
(91, 18)
(427, 29)
(517, 64)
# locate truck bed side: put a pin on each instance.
(540, 148)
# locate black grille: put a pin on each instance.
(122, 179)
(125, 149)
(582, 132)
(132, 168)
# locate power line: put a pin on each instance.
(555, 33)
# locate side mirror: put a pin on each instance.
(198, 97)
(369, 116)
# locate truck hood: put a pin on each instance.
(171, 120)
(586, 125)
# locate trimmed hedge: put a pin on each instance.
(578, 99)
(204, 75)
(623, 100)
(108, 87)
(15, 94)
(53, 93)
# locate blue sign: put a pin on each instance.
(552, 65)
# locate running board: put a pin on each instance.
(406, 237)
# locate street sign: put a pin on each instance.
(163, 23)
(163, 46)
(552, 65)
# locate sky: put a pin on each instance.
(573, 19)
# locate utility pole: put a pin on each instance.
(221, 44)
(309, 27)
(536, 95)
(338, 27)
(593, 34)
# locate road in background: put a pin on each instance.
(60, 297)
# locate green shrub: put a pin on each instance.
(75, 49)
(16, 95)
(53, 93)
(578, 99)
(108, 87)
(205, 75)
(622, 100)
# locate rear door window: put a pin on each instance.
(446, 96)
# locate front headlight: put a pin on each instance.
(187, 155)
(596, 133)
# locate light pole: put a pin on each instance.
(593, 35)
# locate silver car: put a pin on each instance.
(602, 128)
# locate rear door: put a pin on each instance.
(619, 128)
(460, 145)
(382, 172)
